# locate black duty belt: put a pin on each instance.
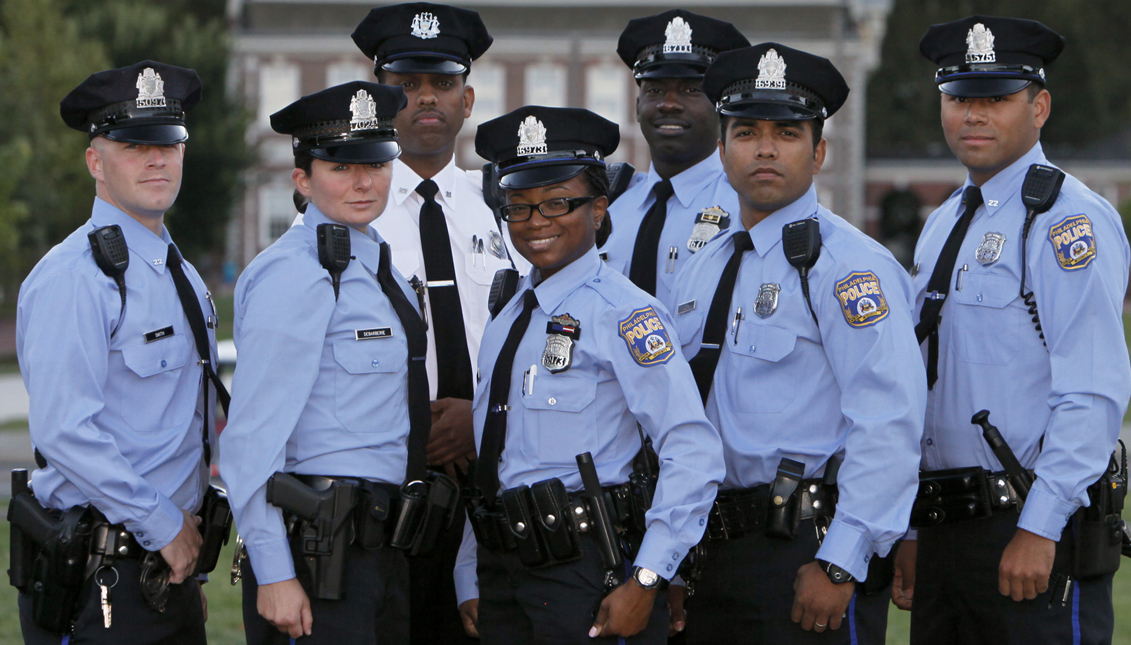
(962, 494)
(736, 513)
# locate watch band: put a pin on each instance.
(837, 575)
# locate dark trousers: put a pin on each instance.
(556, 604)
(435, 613)
(745, 595)
(372, 611)
(957, 599)
(133, 622)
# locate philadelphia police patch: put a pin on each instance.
(647, 340)
(1073, 242)
(861, 299)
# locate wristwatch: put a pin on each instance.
(836, 575)
(648, 579)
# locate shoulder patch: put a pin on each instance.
(1073, 242)
(647, 340)
(861, 300)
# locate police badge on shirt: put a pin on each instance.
(561, 333)
(708, 223)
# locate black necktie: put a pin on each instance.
(714, 330)
(495, 425)
(453, 363)
(939, 284)
(642, 272)
(419, 409)
(191, 307)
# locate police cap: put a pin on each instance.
(422, 38)
(675, 44)
(774, 82)
(144, 103)
(539, 146)
(348, 123)
(984, 56)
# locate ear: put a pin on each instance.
(468, 100)
(1042, 108)
(638, 97)
(302, 181)
(600, 211)
(818, 157)
(94, 163)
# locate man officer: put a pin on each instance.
(684, 199)
(1021, 318)
(798, 329)
(445, 236)
(118, 414)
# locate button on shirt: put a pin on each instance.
(467, 216)
(308, 397)
(117, 419)
(701, 186)
(595, 405)
(1071, 395)
(785, 388)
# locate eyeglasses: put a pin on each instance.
(555, 207)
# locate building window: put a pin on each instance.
(278, 88)
(606, 91)
(545, 84)
(490, 83)
(347, 71)
(276, 212)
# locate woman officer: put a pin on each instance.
(606, 362)
(325, 386)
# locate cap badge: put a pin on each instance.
(980, 45)
(531, 137)
(364, 110)
(678, 36)
(150, 89)
(425, 26)
(771, 72)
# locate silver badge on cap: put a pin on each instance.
(767, 302)
(990, 249)
(707, 224)
(678, 37)
(980, 45)
(531, 137)
(364, 110)
(771, 72)
(425, 25)
(561, 332)
(150, 89)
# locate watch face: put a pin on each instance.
(645, 577)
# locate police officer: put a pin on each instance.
(1020, 317)
(798, 329)
(571, 365)
(327, 359)
(684, 199)
(446, 237)
(118, 415)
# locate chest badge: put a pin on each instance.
(767, 302)
(561, 334)
(496, 245)
(708, 223)
(990, 249)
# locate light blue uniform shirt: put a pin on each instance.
(1072, 394)
(700, 187)
(595, 405)
(786, 388)
(307, 396)
(117, 419)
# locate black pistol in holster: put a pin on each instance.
(50, 550)
(326, 530)
(215, 528)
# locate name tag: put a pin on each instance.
(370, 334)
(685, 307)
(158, 334)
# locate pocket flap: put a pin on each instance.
(561, 393)
(986, 290)
(367, 356)
(765, 342)
(147, 359)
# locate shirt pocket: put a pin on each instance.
(155, 375)
(986, 328)
(559, 420)
(369, 385)
(762, 383)
(481, 267)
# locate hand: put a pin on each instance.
(903, 585)
(452, 436)
(1025, 566)
(204, 603)
(182, 552)
(818, 604)
(678, 619)
(624, 612)
(469, 613)
(285, 605)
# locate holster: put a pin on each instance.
(519, 508)
(1097, 530)
(785, 503)
(324, 510)
(59, 571)
(953, 495)
(427, 509)
(215, 528)
(555, 521)
(370, 516)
